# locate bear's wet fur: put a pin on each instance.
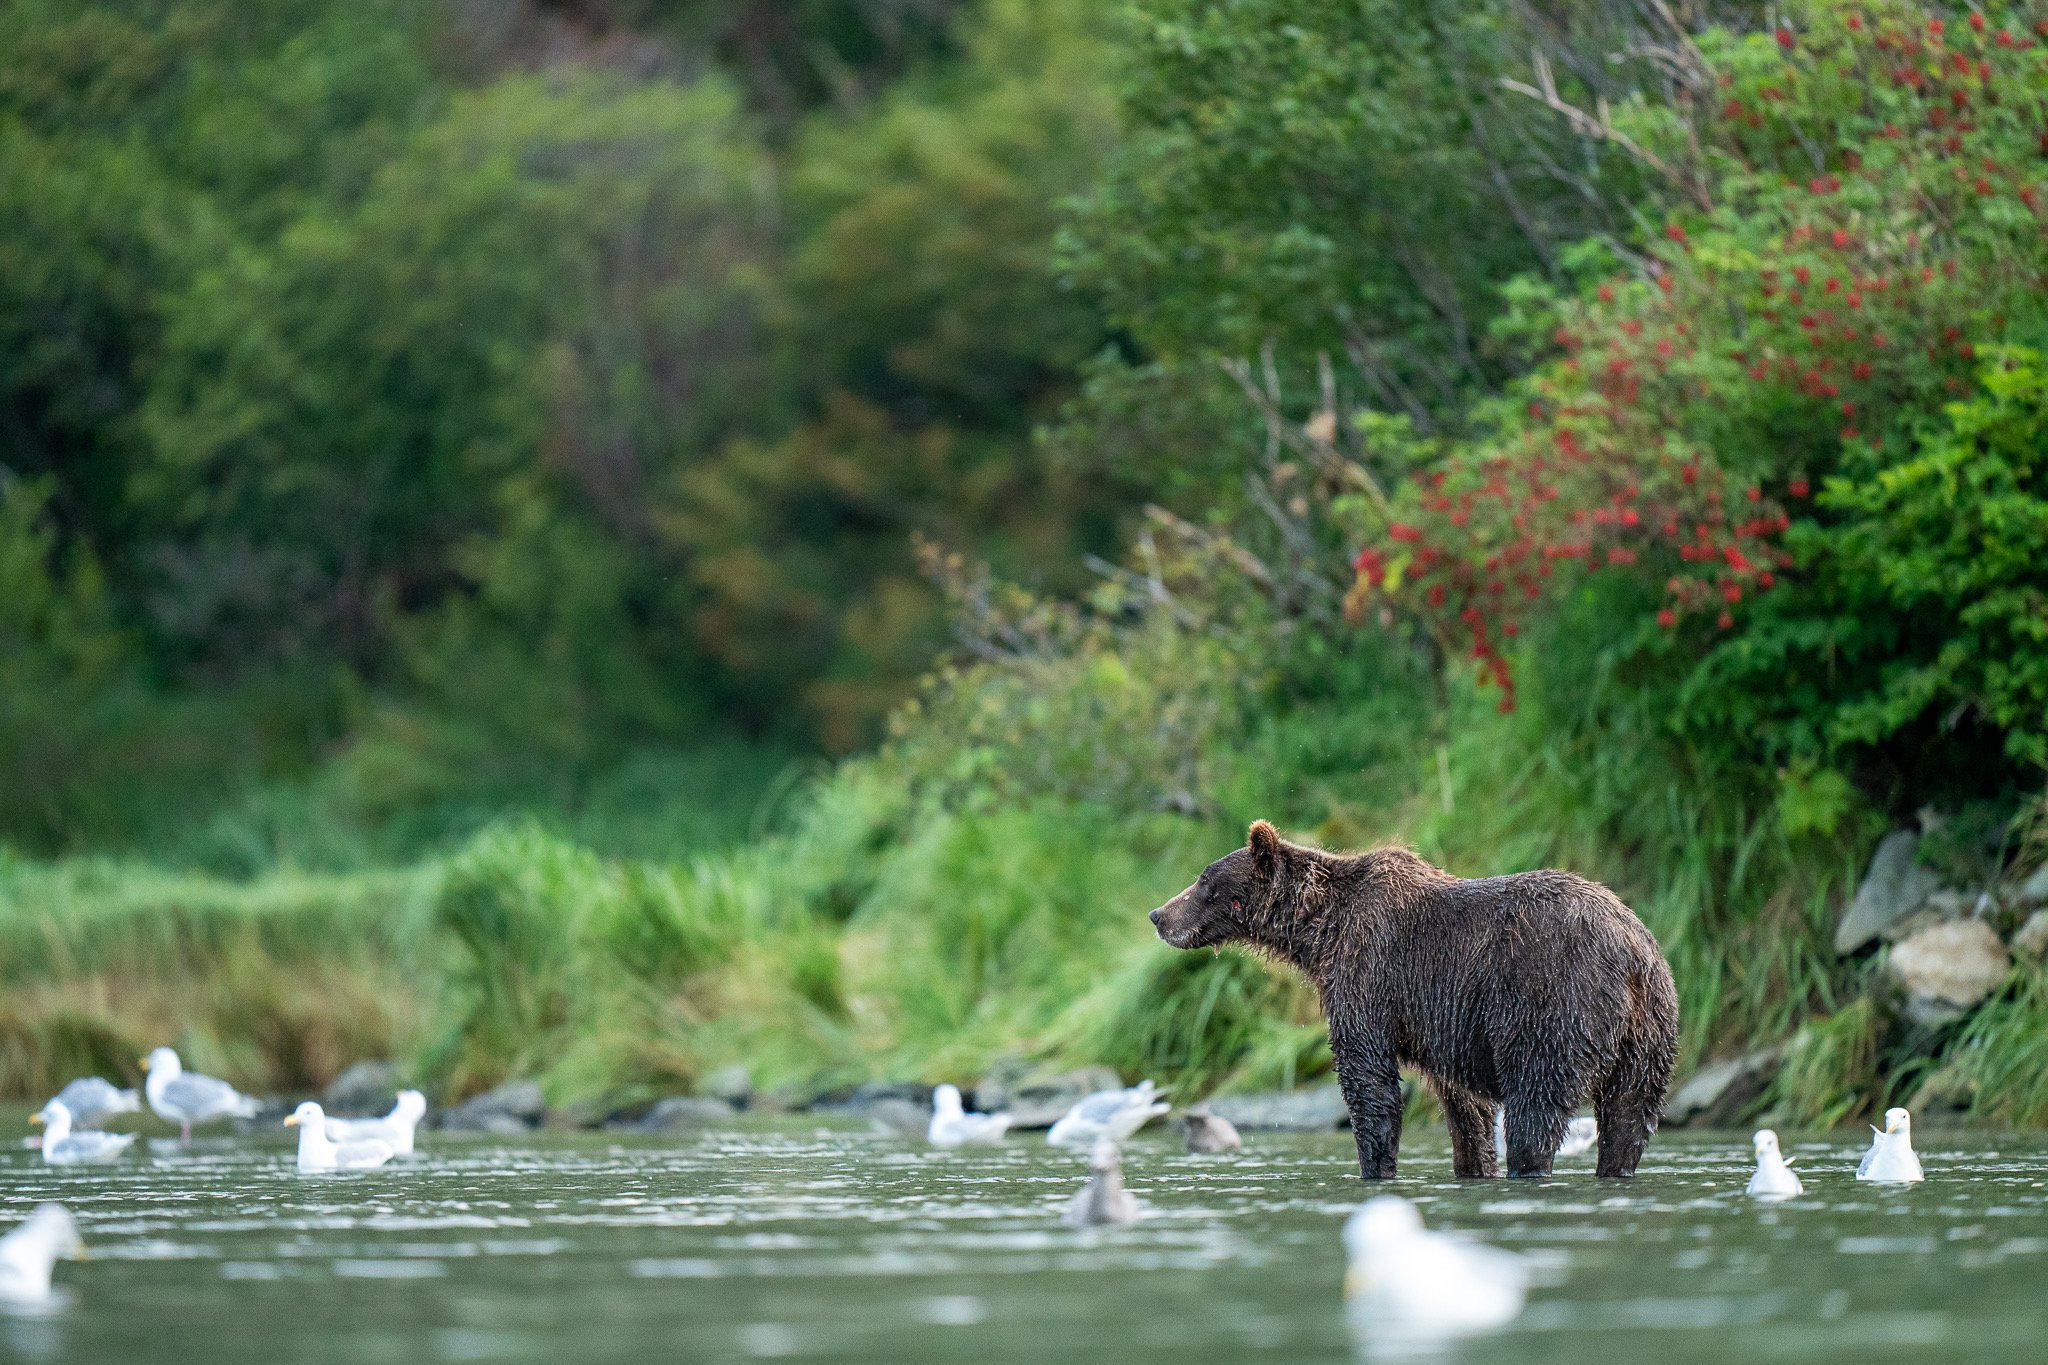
(1537, 992)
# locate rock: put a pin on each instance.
(900, 1118)
(1041, 1101)
(1893, 888)
(680, 1114)
(1284, 1111)
(733, 1084)
(2034, 890)
(365, 1088)
(860, 1099)
(2031, 940)
(1948, 969)
(1721, 1093)
(514, 1107)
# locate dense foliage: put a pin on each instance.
(1743, 427)
(523, 391)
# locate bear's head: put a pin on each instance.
(1229, 899)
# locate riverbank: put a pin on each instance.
(884, 928)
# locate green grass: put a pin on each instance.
(889, 918)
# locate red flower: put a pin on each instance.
(1675, 233)
(1754, 494)
(1799, 488)
(1841, 239)
(1667, 618)
(1402, 531)
(1785, 39)
(1977, 22)
(1724, 620)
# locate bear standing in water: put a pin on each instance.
(1536, 992)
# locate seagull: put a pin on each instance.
(1103, 1201)
(1581, 1136)
(1407, 1283)
(1112, 1114)
(1774, 1178)
(62, 1147)
(1209, 1134)
(395, 1128)
(30, 1250)
(318, 1152)
(186, 1097)
(1890, 1159)
(93, 1101)
(951, 1127)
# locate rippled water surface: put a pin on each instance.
(802, 1242)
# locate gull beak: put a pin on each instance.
(1357, 1279)
(79, 1253)
(291, 1121)
(35, 1118)
(142, 1062)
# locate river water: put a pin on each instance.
(802, 1242)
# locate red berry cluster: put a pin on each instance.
(1677, 426)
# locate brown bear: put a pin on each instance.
(1536, 992)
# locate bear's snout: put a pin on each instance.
(1169, 919)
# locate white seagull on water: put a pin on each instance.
(951, 1126)
(1774, 1177)
(93, 1101)
(318, 1152)
(62, 1147)
(1405, 1284)
(395, 1128)
(186, 1097)
(1891, 1159)
(30, 1250)
(1111, 1115)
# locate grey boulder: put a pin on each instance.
(364, 1088)
(1721, 1093)
(1947, 970)
(512, 1108)
(1894, 888)
(733, 1084)
(1041, 1100)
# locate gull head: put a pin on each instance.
(56, 1116)
(411, 1106)
(308, 1114)
(1898, 1121)
(946, 1100)
(163, 1061)
(1381, 1222)
(1766, 1143)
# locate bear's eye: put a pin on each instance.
(1236, 904)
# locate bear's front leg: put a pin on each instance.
(1371, 1081)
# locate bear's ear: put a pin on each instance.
(1264, 843)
